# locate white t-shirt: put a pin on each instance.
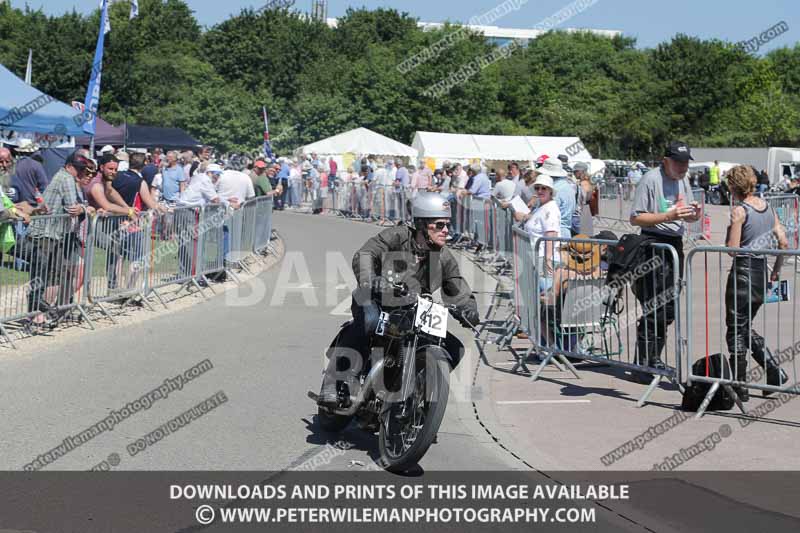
(545, 219)
(462, 179)
(200, 191)
(235, 184)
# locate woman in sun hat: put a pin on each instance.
(580, 260)
(545, 221)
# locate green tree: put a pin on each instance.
(267, 49)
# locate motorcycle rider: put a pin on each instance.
(415, 254)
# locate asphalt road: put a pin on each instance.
(265, 341)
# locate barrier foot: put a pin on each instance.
(650, 388)
(4, 332)
(85, 316)
(208, 284)
(243, 266)
(105, 312)
(567, 363)
(145, 301)
(520, 361)
(735, 397)
(232, 274)
(199, 288)
(159, 298)
(504, 340)
(707, 400)
(542, 365)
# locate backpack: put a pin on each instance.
(694, 394)
(625, 256)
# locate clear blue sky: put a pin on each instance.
(650, 21)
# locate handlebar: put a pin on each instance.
(401, 290)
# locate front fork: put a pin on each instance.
(409, 372)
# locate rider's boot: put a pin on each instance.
(328, 395)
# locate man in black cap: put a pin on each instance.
(662, 207)
(565, 162)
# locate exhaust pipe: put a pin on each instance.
(362, 395)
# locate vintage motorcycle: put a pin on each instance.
(403, 389)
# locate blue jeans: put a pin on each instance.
(226, 241)
(296, 191)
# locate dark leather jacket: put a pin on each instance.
(396, 250)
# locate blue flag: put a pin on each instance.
(92, 101)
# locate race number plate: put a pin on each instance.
(431, 318)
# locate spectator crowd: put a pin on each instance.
(118, 187)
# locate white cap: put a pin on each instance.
(213, 167)
(106, 148)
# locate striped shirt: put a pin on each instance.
(62, 193)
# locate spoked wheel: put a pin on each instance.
(408, 428)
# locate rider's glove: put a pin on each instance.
(379, 287)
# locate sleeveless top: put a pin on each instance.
(757, 229)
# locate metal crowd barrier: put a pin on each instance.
(503, 230)
(696, 230)
(522, 320)
(787, 207)
(241, 235)
(173, 253)
(578, 315)
(377, 203)
(263, 224)
(59, 264)
(210, 256)
(387, 204)
(463, 218)
(746, 315)
(610, 190)
(116, 268)
(481, 216)
(614, 208)
(43, 273)
(348, 199)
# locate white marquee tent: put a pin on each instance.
(463, 147)
(359, 141)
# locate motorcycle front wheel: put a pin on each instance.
(409, 427)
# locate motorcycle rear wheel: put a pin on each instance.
(404, 441)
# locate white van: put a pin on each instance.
(783, 162)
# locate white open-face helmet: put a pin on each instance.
(429, 205)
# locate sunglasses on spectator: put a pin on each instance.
(441, 225)
(540, 188)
